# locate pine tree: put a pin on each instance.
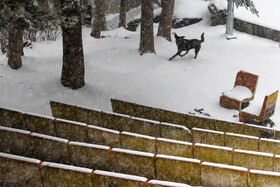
(17, 16)
(73, 71)
(147, 29)
(165, 24)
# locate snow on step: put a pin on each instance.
(66, 167)
(213, 146)
(49, 137)
(177, 158)
(259, 127)
(174, 141)
(39, 115)
(103, 129)
(116, 114)
(20, 158)
(253, 152)
(89, 145)
(138, 135)
(14, 130)
(166, 183)
(270, 140)
(277, 174)
(11, 109)
(207, 130)
(224, 166)
(145, 120)
(175, 125)
(121, 176)
(139, 153)
(242, 135)
(71, 122)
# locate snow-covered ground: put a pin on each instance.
(114, 69)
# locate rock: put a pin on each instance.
(218, 17)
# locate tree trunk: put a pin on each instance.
(123, 9)
(165, 24)
(147, 29)
(73, 72)
(15, 47)
(99, 20)
(230, 17)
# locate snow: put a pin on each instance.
(207, 130)
(220, 4)
(174, 141)
(178, 158)
(268, 12)
(239, 93)
(138, 135)
(14, 130)
(67, 167)
(253, 152)
(39, 115)
(224, 166)
(213, 146)
(71, 122)
(114, 69)
(119, 175)
(260, 127)
(195, 8)
(242, 135)
(145, 120)
(270, 140)
(10, 109)
(165, 183)
(133, 152)
(90, 145)
(277, 174)
(49, 137)
(116, 114)
(253, 108)
(177, 126)
(20, 158)
(103, 129)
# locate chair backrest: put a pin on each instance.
(269, 105)
(248, 80)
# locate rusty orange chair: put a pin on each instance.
(243, 91)
(260, 115)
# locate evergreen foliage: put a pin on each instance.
(26, 16)
(248, 4)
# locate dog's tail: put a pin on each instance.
(202, 38)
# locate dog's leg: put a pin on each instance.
(178, 53)
(184, 54)
(196, 51)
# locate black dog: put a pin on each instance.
(186, 45)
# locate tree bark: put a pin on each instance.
(123, 9)
(99, 20)
(147, 29)
(73, 71)
(165, 24)
(15, 47)
(230, 17)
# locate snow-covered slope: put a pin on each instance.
(114, 69)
